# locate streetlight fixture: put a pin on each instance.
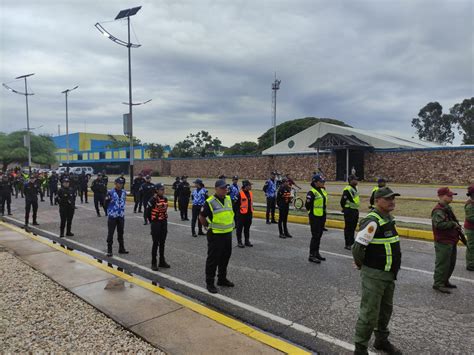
(26, 94)
(125, 14)
(66, 92)
(275, 88)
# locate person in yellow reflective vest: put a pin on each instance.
(380, 183)
(217, 215)
(378, 256)
(350, 203)
(316, 204)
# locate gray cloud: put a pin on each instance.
(209, 64)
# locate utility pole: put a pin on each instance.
(275, 87)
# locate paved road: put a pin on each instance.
(276, 277)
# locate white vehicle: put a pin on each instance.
(61, 170)
(79, 169)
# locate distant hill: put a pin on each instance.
(290, 128)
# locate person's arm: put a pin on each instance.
(309, 201)
(205, 212)
(149, 207)
(359, 248)
(346, 196)
(372, 198)
(440, 221)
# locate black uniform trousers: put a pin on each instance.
(99, 199)
(83, 194)
(283, 219)
(271, 202)
(28, 205)
(159, 230)
(195, 217)
(41, 192)
(219, 250)
(137, 198)
(52, 194)
(183, 207)
(5, 199)
(112, 223)
(66, 214)
(317, 227)
(351, 218)
(244, 221)
(175, 200)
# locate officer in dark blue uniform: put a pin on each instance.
(66, 199)
(31, 190)
(146, 191)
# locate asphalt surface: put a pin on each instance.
(276, 277)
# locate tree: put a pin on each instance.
(12, 149)
(200, 144)
(432, 125)
(463, 116)
(115, 143)
(290, 128)
(243, 148)
(156, 150)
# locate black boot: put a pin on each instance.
(122, 250)
(386, 346)
(35, 223)
(164, 264)
(109, 250)
(154, 267)
(318, 256)
(69, 234)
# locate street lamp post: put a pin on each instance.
(66, 92)
(26, 94)
(125, 14)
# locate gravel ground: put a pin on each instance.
(38, 315)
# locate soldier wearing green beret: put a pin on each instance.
(469, 228)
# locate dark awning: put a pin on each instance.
(336, 141)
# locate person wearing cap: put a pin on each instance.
(146, 192)
(283, 200)
(270, 190)
(218, 216)
(6, 190)
(53, 187)
(115, 202)
(31, 190)
(135, 191)
(350, 202)
(184, 193)
(99, 189)
(157, 210)
(199, 197)
(378, 256)
(105, 178)
(446, 231)
(469, 228)
(244, 207)
(66, 199)
(316, 205)
(122, 177)
(175, 191)
(380, 183)
(84, 187)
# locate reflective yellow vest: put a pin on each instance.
(222, 215)
(318, 203)
(355, 196)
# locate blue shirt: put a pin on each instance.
(116, 205)
(234, 192)
(270, 188)
(199, 196)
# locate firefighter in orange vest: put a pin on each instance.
(157, 211)
(244, 208)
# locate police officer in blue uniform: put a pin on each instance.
(234, 191)
(270, 190)
(199, 197)
(115, 202)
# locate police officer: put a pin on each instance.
(218, 216)
(380, 183)
(115, 202)
(244, 208)
(270, 193)
(99, 188)
(31, 191)
(446, 231)
(6, 189)
(135, 190)
(157, 210)
(105, 178)
(146, 191)
(283, 201)
(316, 205)
(469, 228)
(83, 185)
(42, 182)
(234, 193)
(122, 177)
(199, 197)
(377, 255)
(350, 202)
(74, 183)
(175, 192)
(66, 199)
(53, 187)
(184, 193)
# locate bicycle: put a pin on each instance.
(298, 202)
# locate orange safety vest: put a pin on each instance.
(159, 210)
(244, 202)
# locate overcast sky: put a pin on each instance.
(210, 64)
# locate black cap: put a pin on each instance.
(184, 177)
(198, 181)
(159, 186)
(246, 183)
(221, 183)
(148, 177)
(177, 178)
(119, 180)
(379, 181)
(65, 180)
(385, 192)
(352, 177)
(221, 177)
(235, 177)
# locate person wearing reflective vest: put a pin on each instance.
(377, 255)
(284, 198)
(157, 210)
(350, 202)
(217, 216)
(469, 228)
(115, 202)
(244, 208)
(380, 183)
(446, 229)
(199, 197)
(316, 203)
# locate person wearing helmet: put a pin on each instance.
(157, 211)
(316, 204)
(199, 197)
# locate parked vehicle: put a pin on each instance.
(79, 169)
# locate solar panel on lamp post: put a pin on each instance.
(125, 14)
(66, 92)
